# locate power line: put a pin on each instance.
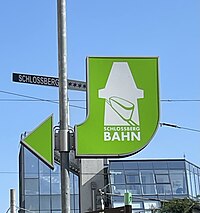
(31, 98)
(35, 99)
(41, 99)
(27, 96)
(180, 100)
(179, 127)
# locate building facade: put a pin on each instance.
(152, 181)
(95, 185)
(39, 186)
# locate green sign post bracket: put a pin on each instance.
(40, 142)
(122, 104)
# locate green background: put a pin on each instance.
(89, 135)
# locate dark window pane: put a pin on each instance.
(162, 178)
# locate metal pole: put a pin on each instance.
(63, 103)
(12, 201)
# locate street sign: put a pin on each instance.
(47, 81)
(123, 106)
(40, 142)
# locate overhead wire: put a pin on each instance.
(179, 127)
(32, 98)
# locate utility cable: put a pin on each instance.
(179, 127)
(26, 96)
(180, 100)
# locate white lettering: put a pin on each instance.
(115, 136)
(107, 136)
(125, 135)
(135, 136)
(121, 136)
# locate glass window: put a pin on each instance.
(76, 184)
(56, 169)
(160, 165)
(187, 165)
(43, 168)
(134, 189)
(32, 202)
(55, 184)
(118, 189)
(148, 189)
(194, 194)
(161, 172)
(197, 184)
(176, 164)
(132, 179)
(76, 201)
(45, 202)
(178, 182)
(164, 189)
(56, 202)
(117, 177)
(189, 183)
(130, 165)
(145, 165)
(162, 178)
(31, 165)
(31, 186)
(72, 201)
(71, 183)
(147, 176)
(116, 165)
(45, 184)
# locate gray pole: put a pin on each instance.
(12, 201)
(63, 103)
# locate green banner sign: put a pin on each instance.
(123, 106)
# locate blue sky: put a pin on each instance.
(28, 44)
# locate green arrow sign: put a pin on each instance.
(40, 142)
